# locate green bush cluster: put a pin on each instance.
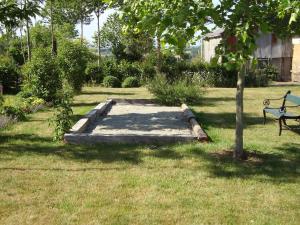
(130, 82)
(94, 74)
(111, 81)
(9, 75)
(73, 58)
(14, 112)
(42, 75)
(176, 92)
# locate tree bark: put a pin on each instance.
(98, 35)
(28, 34)
(81, 27)
(53, 40)
(159, 56)
(239, 142)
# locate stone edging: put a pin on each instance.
(90, 117)
(196, 128)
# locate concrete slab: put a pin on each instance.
(135, 121)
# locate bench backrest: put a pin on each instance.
(293, 98)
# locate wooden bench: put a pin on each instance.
(281, 114)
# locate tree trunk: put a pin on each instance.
(53, 40)
(98, 37)
(159, 57)
(239, 148)
(21, 43)
(81, 27)
(27, 35)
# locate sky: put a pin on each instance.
(89, 30)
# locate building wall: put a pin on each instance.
(209, 47)
(279, 53)
(296, 63)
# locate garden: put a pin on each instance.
(51, 77)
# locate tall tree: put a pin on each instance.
(99, 7)
(243, 20)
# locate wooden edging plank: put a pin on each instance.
(90, 117)
(196, 128)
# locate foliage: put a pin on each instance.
(175, 93)
(128, 69)
(62, 117)
(1, 100)
(257, 78)
(130, 82)
(110, 68)
(32, 104)
(14, 112)
(111, 81)
(128, 46)
(73, 58)
(94, 73)
(271, 72)
(42, 75)
(9, 75)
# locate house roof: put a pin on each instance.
(216, 33)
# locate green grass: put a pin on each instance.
(53, 183)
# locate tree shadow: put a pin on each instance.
(282, 165)
(225, 120)
(106, 93)
(82, 104)
(213, 101)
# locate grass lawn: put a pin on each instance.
(52, 183)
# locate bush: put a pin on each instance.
(62, 117)
(42, 75)
(94, 74)
(175, 93)
(73, 58)
(110, 68)
(127, 69)
(14, 112)
(256, 78)
(271, 72)
(130, 82)
(111, 81)
(9, 75)
(32, 104)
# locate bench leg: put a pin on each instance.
(265, 118)
(280, 126)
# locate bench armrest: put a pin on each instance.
(267, 101)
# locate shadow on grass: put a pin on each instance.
(225, 120)
(210, 101)
(106, 93)
(281, 165)
(82, 104)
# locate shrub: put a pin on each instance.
(73, 58)
(175, 93)
(127, 69)
(110, 68)
(130, 82)
(256, 78)
(94, 74)
(14, 112)
(32, 104)
(1, 100)
(9, 75)
(62, 117)
(111, 81)
(42, 75)
(271, 72)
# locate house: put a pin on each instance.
(271, 50)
